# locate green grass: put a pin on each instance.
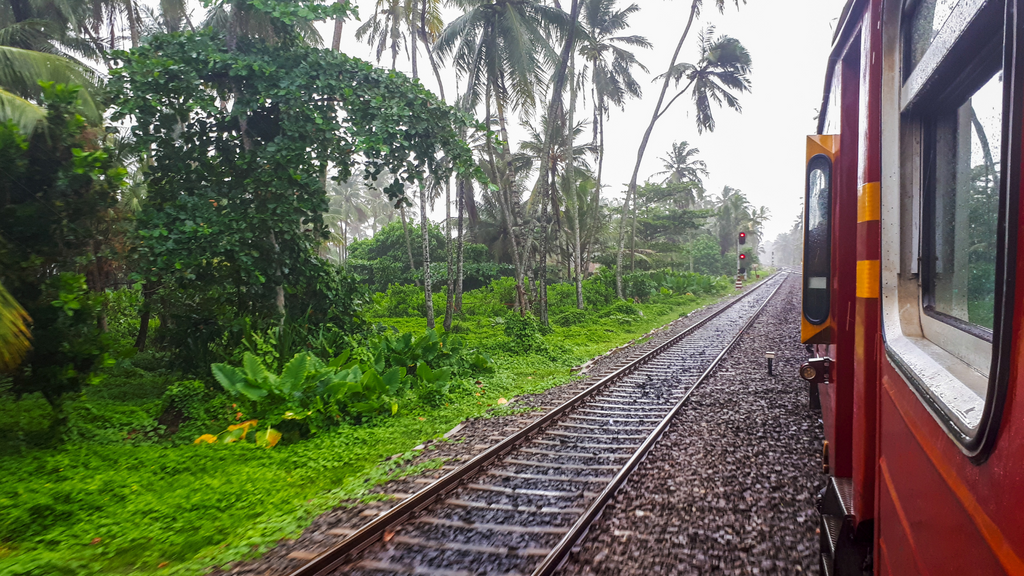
(101, 504)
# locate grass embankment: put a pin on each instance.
(102, 503)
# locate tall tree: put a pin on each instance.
(556, 111)
(499, 47)
(385, 29)
(40, 42)
(734, 63)
(682, 165)
(611, 63)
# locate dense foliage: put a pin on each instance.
(233, 218)
(381, 260)
(58, 199)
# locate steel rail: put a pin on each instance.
(560, 552)
(375, 530)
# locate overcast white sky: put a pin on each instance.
(760, 151)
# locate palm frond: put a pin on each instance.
(15, 338)
(26, 115)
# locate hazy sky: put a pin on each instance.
(760, 151)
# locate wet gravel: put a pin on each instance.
(464, 442)
(729, 487)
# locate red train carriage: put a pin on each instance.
(910, 286)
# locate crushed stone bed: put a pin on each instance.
(729, 488)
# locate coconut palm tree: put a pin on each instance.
(758, 218)
(38, 43)
(681, 165)
(732, 213)
(724, 65)
(235, 18)
(385, 30)
(348, 210)
(611, 63)
(499, 47)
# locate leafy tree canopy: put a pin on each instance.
(242, 131)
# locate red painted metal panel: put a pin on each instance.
(940, 535)
(900, 557)
(958, 517)
(844, 276)
(865, 377)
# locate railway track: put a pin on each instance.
(519, 507)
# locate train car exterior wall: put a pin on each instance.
(936, 475)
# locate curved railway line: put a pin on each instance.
(521, 506)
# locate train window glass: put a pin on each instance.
(925, 25)
(818, 243)
(961, 280)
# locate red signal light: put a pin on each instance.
(743, 238)
(743, 256)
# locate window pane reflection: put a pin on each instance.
(925, 25)
(968, 141)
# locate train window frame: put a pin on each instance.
(819, 162)
(943, 329)
(940, 379)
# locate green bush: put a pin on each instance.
(561, 296)
(490, 301)
(570, 318)
(400, 301)
(524, 334)
(68, 346)
(623, 308)
(123, 316)
(599, 289)
(310, 395)
(638, 285)
(196, 408)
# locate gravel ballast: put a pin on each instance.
(729, 488)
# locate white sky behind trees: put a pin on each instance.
(760, 151)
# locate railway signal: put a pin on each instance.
(743, 238)
(743, 257)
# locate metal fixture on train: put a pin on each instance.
(816, 370)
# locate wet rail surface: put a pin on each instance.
(519, 507)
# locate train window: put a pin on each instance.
(960, 262)
(948, 253)
(818, 240)
(928, 19)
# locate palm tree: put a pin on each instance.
(724, 65)
(348, 209)
(499, 47)
(611, 65)
(756, 219)
(235, 18)
(732, 212)
(385, 30)
(38, 43)
(682, 165)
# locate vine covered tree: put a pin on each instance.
(242, 130)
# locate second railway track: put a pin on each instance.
(520, 507)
